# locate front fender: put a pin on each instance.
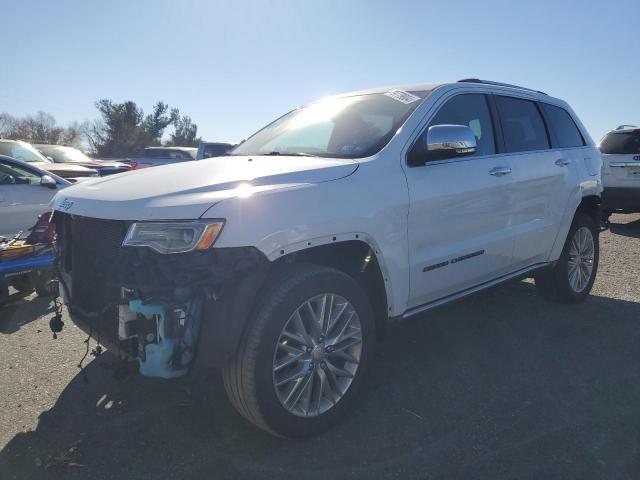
(361, 207)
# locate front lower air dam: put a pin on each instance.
(166, 335)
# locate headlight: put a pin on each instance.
(173, 237)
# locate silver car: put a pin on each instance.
(25, 193)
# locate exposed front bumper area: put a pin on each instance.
(621, 199)
(158, 310)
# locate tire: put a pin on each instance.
(554, 283)
(23, 283)
(250, 379)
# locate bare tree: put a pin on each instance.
(41, 128)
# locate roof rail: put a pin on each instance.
(499, 84)
(625, 127)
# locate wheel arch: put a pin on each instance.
(357, 258)
(228, 317)
(589, 205)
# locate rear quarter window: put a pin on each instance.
(565, 131)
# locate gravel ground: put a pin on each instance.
(501, 385)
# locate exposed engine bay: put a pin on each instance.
(153, 308)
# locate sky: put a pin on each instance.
(233, 66)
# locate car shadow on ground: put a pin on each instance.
(631, 229)
(502, 385)
(33, 305)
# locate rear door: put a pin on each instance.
(460, 209)
(544, 179)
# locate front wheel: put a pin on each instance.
(304, 355)
(572, 277)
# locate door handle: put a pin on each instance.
(500, 171)
(563, 162)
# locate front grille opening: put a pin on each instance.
(90, 252)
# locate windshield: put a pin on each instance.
(626, 143)
(345, 127)
(65, 154)
(21, 151)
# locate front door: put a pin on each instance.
(23, 198)
(460, 210)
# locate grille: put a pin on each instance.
(91, 251)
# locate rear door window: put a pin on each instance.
(566, 133)
(621, 143)
(522, 125)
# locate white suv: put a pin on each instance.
(282, 262)
(621, 170)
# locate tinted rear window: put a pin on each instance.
(522, 125)
(216, 150)
(628, 142)
(566, 133)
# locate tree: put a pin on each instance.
(185, 133)
(123, 127)
(41, 128)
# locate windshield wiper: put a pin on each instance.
(270, 154)
(292, 154)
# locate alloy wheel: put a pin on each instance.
(317, 355)
(581, 257)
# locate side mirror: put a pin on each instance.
(50, 159)
(442, 142)
(48, 181)
(6, 179)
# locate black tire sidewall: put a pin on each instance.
(277, 314)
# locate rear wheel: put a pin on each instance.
(571, 279)
(302, 360)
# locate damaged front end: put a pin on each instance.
(157, 309)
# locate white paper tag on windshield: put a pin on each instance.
(402, 96)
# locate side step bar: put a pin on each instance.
(470, 291)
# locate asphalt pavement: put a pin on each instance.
(503, 385)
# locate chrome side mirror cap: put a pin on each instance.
(449, 141)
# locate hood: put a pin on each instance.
(181, 191)
(61, 167)
(96, 164)
(93, 164)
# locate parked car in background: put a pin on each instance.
(281, 263)
(70, 155)
(155, 156)
(620, 150)
(25, 152)
(25, 193)
(213, 149)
